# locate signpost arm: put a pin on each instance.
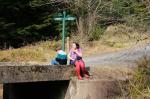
(63, 31)
(64, 18)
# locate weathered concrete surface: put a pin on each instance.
(17, 73)
(93, 89)
(1, 91)
(36, 90)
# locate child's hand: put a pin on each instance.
(73, 59)
(75, 51)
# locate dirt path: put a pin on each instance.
(121, 58)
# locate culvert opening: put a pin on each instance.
(36, 90)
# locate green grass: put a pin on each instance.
(39, 52)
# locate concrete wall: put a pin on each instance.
(15, 78)
(51, 82)
(1, 91)
(33, 73)
(93, 89)
(36, 90)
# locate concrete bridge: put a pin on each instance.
(18, 81)
(33, 73)
(24, 81)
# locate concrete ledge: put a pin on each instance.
(93, 89)
(33, 73)
(1, 91)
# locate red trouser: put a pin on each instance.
(80, 66)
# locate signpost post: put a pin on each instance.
(63, 17)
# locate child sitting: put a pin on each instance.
(61, 57)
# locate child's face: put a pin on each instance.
(74, 46)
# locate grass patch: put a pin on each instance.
(39, 52)
(99, 47)
(121, 36)
(44, 51)
(139, 86)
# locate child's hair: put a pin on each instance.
(77, 45)
(58, 48)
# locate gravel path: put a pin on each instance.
(121, 58)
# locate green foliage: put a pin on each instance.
(139, 85)
(96, 33)
(25, 19)
(120, 7)
(134, 13)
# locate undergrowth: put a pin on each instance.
(139, 86)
